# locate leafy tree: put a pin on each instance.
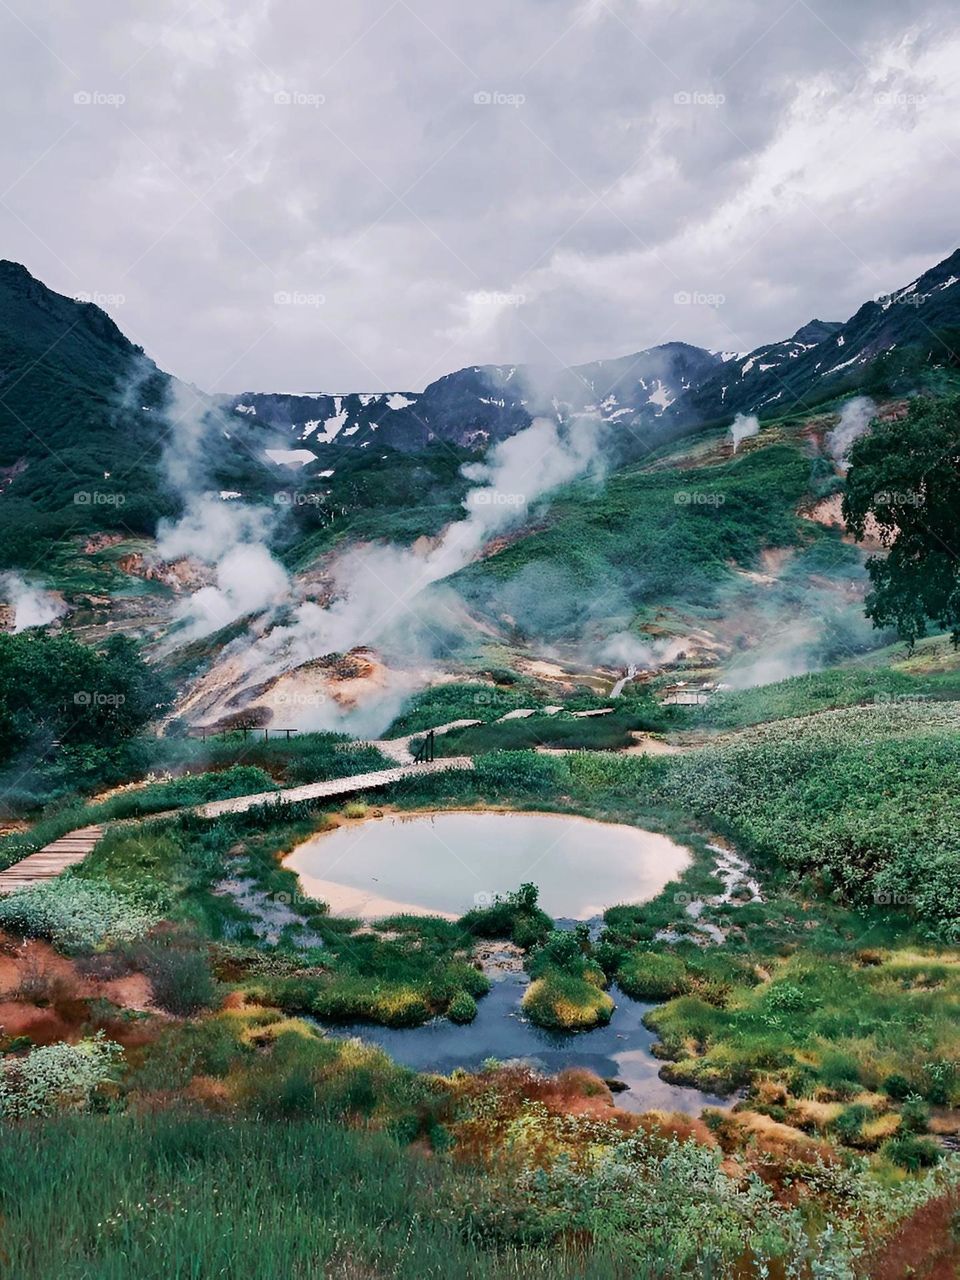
(905, 476)
(54, 690)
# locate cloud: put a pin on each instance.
(410, 162)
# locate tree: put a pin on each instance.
(904, 483)
(54, 689)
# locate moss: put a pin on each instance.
(649, 975)
(562, 1001)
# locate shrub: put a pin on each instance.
(75, 913)
(911, 1152)
(914, 1114)
(562, 1001)
(180, 975)
(897, 1087)
(462, 1008)
(648, 975)
(56, 1076)
(515, 916)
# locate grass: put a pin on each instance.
(599, 733)
(826, 691)
(213, 770)
(564, 1002)
(825, 1026)
(664, 536)
(156, 1196)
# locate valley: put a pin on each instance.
(526, 811)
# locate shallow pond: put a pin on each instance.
(446, 863)
(619, 1051)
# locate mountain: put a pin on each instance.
(664, 391)
(480, 405)
(68, 427)
(82, 409)
(885, 347)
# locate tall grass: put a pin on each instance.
(175, 1195)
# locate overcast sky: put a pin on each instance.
(336, 195)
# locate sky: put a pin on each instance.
(364, 195)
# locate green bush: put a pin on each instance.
(911, 1152)
(56, 1077)
(564, 1002)
(649, 975)
(76, 914)
(515, 916)
(180, 974)
(462, 1008)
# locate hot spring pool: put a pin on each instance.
(446, 863)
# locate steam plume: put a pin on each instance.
(379, 592)
(854, 421)
(32, 606)
(742, 428)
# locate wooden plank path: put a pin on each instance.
(48, 862)
(332, 787)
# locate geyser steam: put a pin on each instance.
(32, 606)
(742, 428)
(855, 419)
(379, 591)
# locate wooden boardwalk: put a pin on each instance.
(48, 862)
(333, 787)
(72, 848)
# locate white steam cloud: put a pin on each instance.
(232, 536)
(855, 419)
(379, 592)
(742, 428)
(32, 605)
(624, 650)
